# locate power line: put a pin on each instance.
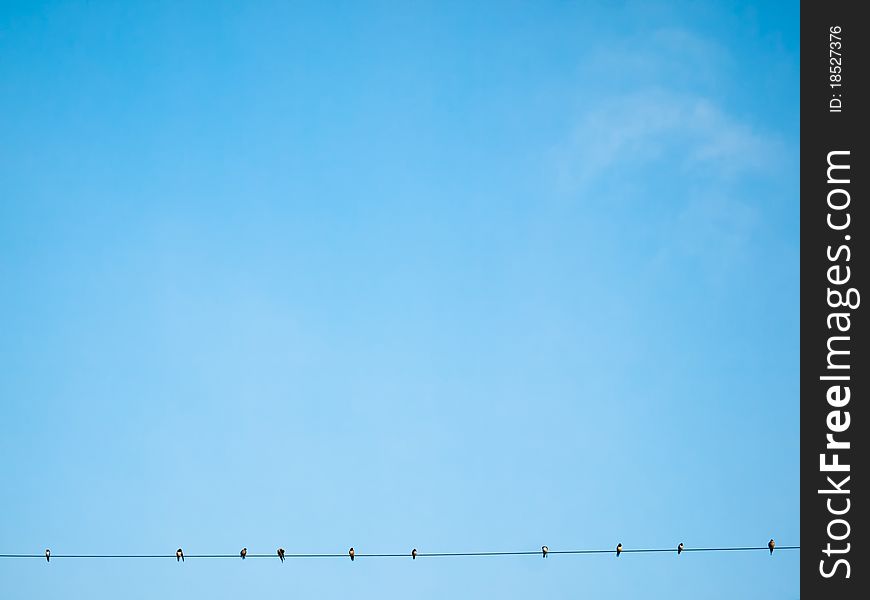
(408, 554)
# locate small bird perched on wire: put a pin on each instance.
(179, 555)
(414, 554)
(243, 553)
(544, 551)
(47, 555)
(771, 544)
(680, 549)
(618, 549)
(350, 553)
(281, 554)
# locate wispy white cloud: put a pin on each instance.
(691, 134)
(666, 120)
(660, 98)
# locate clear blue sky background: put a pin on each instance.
(455, 276)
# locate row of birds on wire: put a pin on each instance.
(179, 554)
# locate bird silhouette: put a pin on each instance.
(47, 555)
(771, 544)
(680, 549)
(544, 551)
(618, 549)
(350, 553)
(179, 555)
(281, 554)
(414, 554)
(243, 553)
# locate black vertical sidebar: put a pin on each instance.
(834, 368)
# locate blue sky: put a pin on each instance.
(394, 275)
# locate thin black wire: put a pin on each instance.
(407, 554)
